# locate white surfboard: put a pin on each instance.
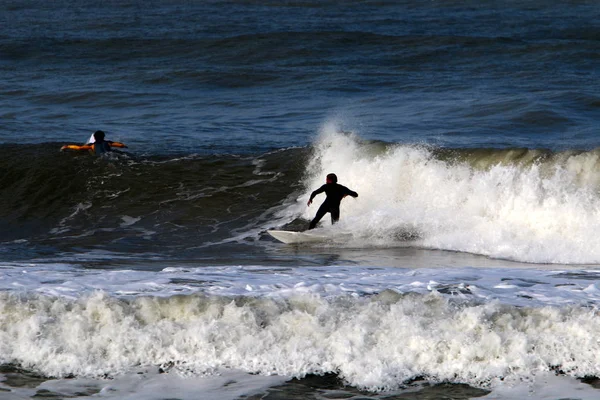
(289, 237)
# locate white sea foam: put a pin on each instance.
(375, 327)
(518, 212)
(148, 384)
(375, 343)
(513, 286)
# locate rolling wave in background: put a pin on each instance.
(527, 205)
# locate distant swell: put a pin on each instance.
(522, 204)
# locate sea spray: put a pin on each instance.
(527, 206)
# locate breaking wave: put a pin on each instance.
(521, 204)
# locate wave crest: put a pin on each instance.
(520, 204)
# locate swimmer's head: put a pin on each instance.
(98, 135)
(331, 178)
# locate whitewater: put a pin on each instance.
(378, 329)
(518, 204)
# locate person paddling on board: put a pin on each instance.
(96, 145)
(335, 193)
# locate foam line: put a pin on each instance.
(376, 343)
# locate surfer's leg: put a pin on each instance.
(320, 213)
(335, 215)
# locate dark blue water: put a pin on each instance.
(250, 76)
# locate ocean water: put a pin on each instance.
(468, 267)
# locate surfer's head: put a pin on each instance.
(331, 178)
(99, 135)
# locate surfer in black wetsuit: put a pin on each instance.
(335, 193)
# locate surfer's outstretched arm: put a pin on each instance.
(76, 147)
(316, 192)
(117, 144)
(350, 193)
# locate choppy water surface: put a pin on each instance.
(469, 264)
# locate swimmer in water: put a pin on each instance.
(96, 146)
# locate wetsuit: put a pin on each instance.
(101, 147)
(335, 193)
